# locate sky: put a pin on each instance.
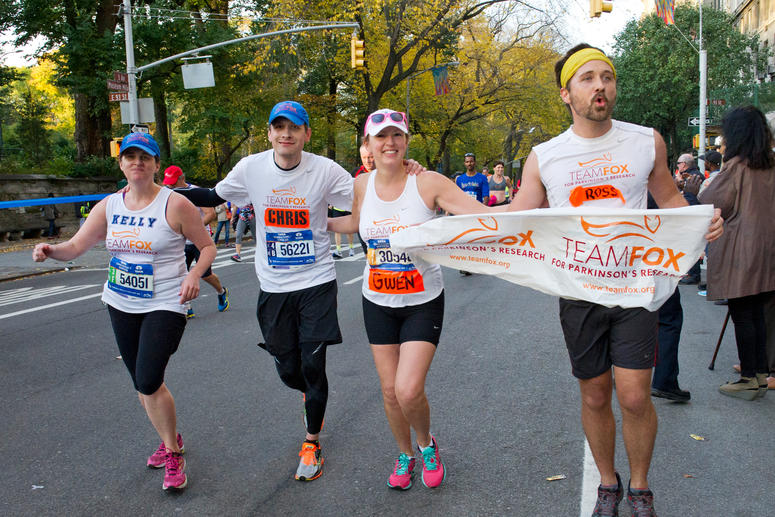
(577, 25)
(598, 32)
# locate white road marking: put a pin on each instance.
(35, 309)
(356, 279)
(589, 483)
(25, 294)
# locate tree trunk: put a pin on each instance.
(92, 128)
(331, 119)
(162, 135)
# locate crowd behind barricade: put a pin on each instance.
(290, 199)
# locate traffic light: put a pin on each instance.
(696, 141)
(357, 54)
(598, 7)
(115, 147)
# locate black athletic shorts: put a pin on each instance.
(304, 316)
(598, 337)
(396, 325)
(192, 254)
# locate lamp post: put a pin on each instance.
(409, 82)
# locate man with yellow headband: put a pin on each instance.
(601, 162)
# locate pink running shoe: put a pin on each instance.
(159, 458)
(174, 472)
(403, 472)
(433, 472)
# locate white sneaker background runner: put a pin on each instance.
(613, 257)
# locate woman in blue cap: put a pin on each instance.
(145, 230)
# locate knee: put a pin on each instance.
(596, 400)
(389, 395)
(409, 394)
(147, 386)
(289, 373)
(635, 402)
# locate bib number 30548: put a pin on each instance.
(135, 280)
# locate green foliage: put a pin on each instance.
(97, 166)
(658, 71)
(31, 131)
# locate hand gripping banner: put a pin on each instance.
(613, 257)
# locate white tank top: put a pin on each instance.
(609, 171)
(147, 262)
(392, 279)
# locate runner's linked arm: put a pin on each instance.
(201, 196)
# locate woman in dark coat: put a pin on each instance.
(741, 266)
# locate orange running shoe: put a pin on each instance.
(311, 463)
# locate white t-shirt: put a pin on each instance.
(393, 279)
(608, 171)
(293, 249)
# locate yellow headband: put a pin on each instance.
(576, 60)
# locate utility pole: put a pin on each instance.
(134, 110)
(703, 95)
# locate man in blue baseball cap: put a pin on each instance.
(290, 190)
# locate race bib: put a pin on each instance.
(471, 193)
(135, 280)
(290, 249)
(391, 272)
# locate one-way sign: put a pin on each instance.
(695, 121)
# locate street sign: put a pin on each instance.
(145, 109)
(121, 77)
(140, 128)
(118, 96)
(695, 121)
(118, 86)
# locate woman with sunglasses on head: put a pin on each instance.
(145, 230)
(403, 300)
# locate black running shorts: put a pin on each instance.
(192, 254)
(304, 316)
(598, 337)
(396, 325)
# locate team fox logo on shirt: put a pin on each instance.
(599, 167)
(285, 197)
(127, 240)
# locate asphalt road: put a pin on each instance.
(504, 411)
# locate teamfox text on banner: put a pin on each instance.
(613, 257)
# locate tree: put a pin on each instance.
(658, 71)
(82, 31)
(33, 136)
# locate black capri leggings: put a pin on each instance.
(146, 342)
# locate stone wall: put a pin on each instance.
(23, 222)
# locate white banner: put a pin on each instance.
(613, 257)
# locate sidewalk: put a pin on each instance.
(16, 259)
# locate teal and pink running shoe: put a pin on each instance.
(433, 471)
(159, 458)
(175, 472)
(403, 473)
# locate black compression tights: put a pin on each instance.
(305, 370)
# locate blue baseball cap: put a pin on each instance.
(142, 141)
(291, 110)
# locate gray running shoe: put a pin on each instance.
(641, 502)
(311, 463)
(608, 500)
